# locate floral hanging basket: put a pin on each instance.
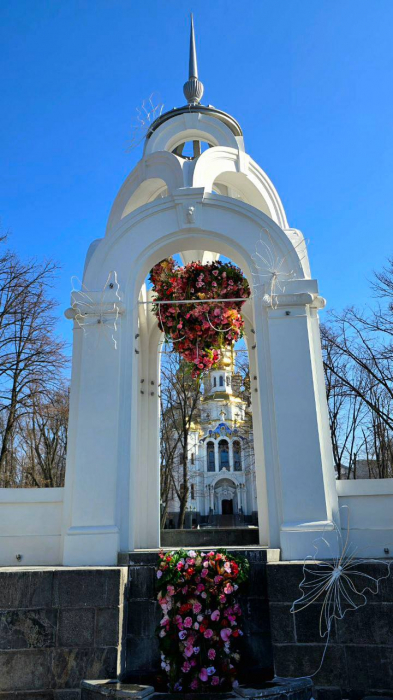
(204, 323)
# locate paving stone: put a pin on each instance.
(70, 666)
(25, 589)
(298, 660)
(328, 694)
(79, 588)
(24, 629)
(25, 670)
(76, 627)
(66, 694)
(282, 623)
(372, 624)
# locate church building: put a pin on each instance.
(222, 482)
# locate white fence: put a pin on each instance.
(370, 508)
(31, 521)
(30, 526)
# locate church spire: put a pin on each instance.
(193, 88)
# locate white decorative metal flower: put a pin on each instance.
(271, 273)
(338, 582)
(97, 308)
(146, 114)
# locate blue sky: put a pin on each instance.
(310, 82)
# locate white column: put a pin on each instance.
(230, 451)
(305, 467)
(216, 457)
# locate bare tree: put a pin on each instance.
(32, 359)
(179, 397)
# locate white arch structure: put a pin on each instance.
(219, 203)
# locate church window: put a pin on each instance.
(221, 380)
(193, 492)
(237, 456)
(228, 380)
(223, 453)
(192, 458)
(215, 381)
(211, 463)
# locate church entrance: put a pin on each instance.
(227, 506)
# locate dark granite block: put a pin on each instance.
(76, 627)
(79, 588)
(370, 667)
(294, 661)
(28, 695)
(328, 694)
(257, 583)
(142, 654)
(307, 623)
(140, 558)
(255, 616)
(25, 589)
(383, 590)
(27, 629)
(372, 624)
(256, 652)
(25, 670)
(283, 581)
(143, 618)
(141, 582)
(107, 627)
(66, 694)
(70, 666)
(282, 623)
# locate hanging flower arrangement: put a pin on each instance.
(200, 627)
(201, 329)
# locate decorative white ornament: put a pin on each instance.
(91, 309)
(146, 114)
(270, 273)
(339, 583)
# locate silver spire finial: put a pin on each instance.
(193, 88)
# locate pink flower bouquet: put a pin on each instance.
(200, 627)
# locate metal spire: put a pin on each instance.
(193, 88)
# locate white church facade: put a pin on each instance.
(221, 458)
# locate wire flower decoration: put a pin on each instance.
(91, 309)
(146, 114)
(271, 271)
(338, 583)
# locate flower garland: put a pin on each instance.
(199, 331)
(199, 630)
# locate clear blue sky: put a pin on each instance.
(310, 82)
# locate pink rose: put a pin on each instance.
(217, 579)
(203, 674)
(227, 567)
(215, 615)
(188, 651)
(197, 607)
(194, 684)
(222, 598)
(171, 590)
(186, 667)
(215, 680)
(211, 654)
(208, 633)
(204, 573)
(228, 588)
(188, 622)
(225, 634)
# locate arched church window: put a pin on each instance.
(192, 458)
(228, 380)
(223, 454)
(221, 380)
(237, 456)
(211, 462)
(193, 492)
(215, 382)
